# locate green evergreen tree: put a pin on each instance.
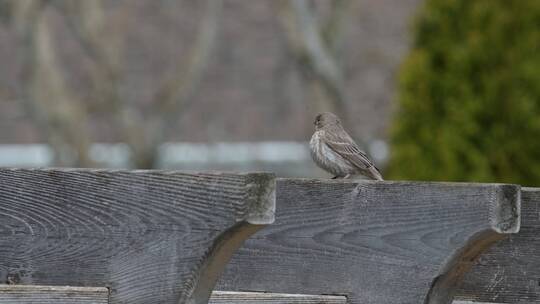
(469, 94)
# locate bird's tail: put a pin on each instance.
(375, 173)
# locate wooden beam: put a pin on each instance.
(509, 272)
(19, 294)
(149, 236)
(36, 294)
(375, 242)
(472, 302)
(235, 297)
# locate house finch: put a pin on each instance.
(335, 151)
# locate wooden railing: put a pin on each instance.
(102, 236)
(374, 242)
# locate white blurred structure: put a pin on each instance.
(285, 158)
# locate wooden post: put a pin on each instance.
(148, 236)
(374, 242)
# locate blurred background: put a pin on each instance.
(431, 89)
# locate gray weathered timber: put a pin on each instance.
(375, 242)
(234, 297)
(509, 272)
(471, 302)
(149, 236)
(32, 294)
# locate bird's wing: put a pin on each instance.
(347, 148)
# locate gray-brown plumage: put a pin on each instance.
(335, 151)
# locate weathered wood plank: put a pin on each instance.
(375, 242)
(237, 297)
(471, 302)
(33, 294)
(150, 236)
(234, 297)
(509, 272)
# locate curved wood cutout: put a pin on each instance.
(215, 261)
(444, 287)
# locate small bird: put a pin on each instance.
(335, 151)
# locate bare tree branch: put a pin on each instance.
(45, 93)
(313, 46)
(175, 91)
(25, 14)
(86, 21)
(56, 107)
(333, 29)
(142, 134)
(174, 94)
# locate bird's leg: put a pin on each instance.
(347, 176)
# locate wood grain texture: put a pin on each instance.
(472, 302)
(32, 294)
(150, 236)
(234, 297)
(509, 272)
(375, 242)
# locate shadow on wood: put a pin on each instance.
(149, 236)
(375, 242)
